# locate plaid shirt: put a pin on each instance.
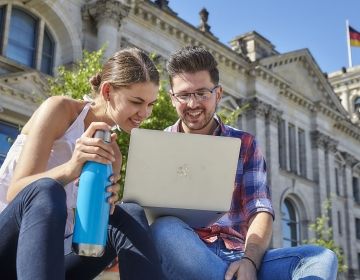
(251, 192)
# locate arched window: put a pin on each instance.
(357, 105)
(290, 224)
(22, 38)
(29, 41)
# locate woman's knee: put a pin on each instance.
(48, 196)
(133, 209)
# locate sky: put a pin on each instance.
(289, 25)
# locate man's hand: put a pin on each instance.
(242, 270)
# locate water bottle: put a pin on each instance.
(92, 210)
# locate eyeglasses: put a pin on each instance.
(200, 95)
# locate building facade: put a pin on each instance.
(307, 122)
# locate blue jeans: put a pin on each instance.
(32, 239)
(185, 256)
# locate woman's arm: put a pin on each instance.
(49, 123)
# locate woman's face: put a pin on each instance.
(130, 106)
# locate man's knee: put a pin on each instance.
(168, 227)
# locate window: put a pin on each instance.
(339, 222)
(302, 152)
(357, 228)
(2, 13)
(355, 185)
(8, 134)
(290, 225)
(282, 144)
(24, 37)
(292, 148)
(357, 104)
(47, 54)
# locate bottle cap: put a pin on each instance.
(104, 135)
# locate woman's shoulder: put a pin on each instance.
(59, 109)
(63, 107)
(63, 103)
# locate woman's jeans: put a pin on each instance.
(185, 256)
(32, 239)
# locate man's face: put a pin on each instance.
(197, 112)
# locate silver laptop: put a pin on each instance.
(189, 176)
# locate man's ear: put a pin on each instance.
(172, 100)
(105, 91)
(219, 93)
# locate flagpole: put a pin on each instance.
(348, 43)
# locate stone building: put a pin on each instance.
(306, 122)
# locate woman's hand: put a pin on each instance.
(116, 166)
(91, 149)
(114, 190)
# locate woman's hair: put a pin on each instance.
(192, 59)
(126, 67)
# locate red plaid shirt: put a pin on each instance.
(251, 192)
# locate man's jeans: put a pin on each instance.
(185, 256)
(32, 239)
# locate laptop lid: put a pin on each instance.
(190, 176)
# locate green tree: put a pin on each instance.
(324, 235)
(163, 115)
(74, 83)
(230, 117)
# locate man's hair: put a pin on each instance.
(192, 59)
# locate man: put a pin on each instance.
(235, 247)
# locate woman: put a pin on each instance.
(49, 155)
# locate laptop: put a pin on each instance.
(189, 176)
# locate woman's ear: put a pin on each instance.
(105, 91)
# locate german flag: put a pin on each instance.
(354, 37)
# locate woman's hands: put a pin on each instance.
(116, 166)
(88, 148)
(92, 149)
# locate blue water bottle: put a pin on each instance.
(92, 209)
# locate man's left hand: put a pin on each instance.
(242, 270)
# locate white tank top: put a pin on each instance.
(61, 152)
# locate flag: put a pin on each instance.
(354, 37)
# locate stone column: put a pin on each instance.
(318, 143)
(331, 149)
(272, 159)
(272, 140)
(255, 121)
(108, 15)
(350, 234)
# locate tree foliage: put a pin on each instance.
(74, 82)
(163, 115)
(230, 117)
(324, 236)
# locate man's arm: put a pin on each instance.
(257, 241)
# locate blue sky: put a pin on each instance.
(318, 25)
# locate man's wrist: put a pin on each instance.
(251, 261)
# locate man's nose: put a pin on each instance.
(192, 100)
